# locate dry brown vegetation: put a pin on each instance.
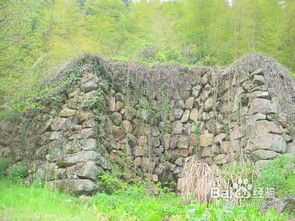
(199, 178)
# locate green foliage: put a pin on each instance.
(279, 174)
(35, 203)
(152, 111)
(197, 129)
(122, 162)
(3, 166)
(139, 207)
(27, 203)
(161, 111)
(223, 211)
(97, 104)
(160, 56)
(225, 129)
(110, 184)
(232, 173)
(72, 77)
(39, 36)
(172, 54)
(17, 172)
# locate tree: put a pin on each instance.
(256, 25)
(207, 25)
(287, 36)
(17, 48)
(107, 20)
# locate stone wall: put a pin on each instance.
(221, 116)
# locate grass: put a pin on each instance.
(279, 174)
(34, 203)
(18, 202)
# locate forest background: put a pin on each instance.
(38, 36)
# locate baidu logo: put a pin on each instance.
(242, 189)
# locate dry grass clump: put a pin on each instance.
(198, 180)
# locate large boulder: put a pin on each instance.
(84, 170)
(74, 186)
(58, 123)
(89, 170)
(237, 133)
(67, 112)
(182, 142)
(264, 154)
(271, 142)
(263, 106)
(89, 86)
(90, 144)
(284, 204)
(264, 127)
(119, 105)
(128, 126)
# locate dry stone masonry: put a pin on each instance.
(104, 123)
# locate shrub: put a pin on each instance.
(3, 166)
(17, 172)
(160, 56)
(279, 174)
(98, 102)
(110, 184)
(174, 55)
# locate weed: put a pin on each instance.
(25, 203)
(223, 211)
(279, 174)
(3, 166)
(98, 102)
(231, 173)
(17, 172)
(110, 184)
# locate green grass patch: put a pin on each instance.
(18, 202)
(35, 203)
(279, 174)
